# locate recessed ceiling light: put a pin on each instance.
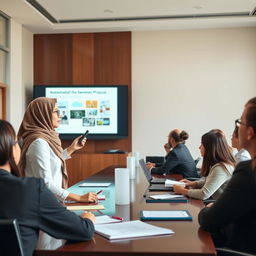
(108, 11)
(197, 7)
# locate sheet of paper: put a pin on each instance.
(130, 229)
(166, 196)
(95, 184)
(165, 214)
(105, 219)
(85, 207)
(170, 183)
(101, 197)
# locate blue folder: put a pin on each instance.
(164, 215)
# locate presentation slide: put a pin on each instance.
(81, 109)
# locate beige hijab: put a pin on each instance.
(37, 123)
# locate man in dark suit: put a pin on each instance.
(178, 159)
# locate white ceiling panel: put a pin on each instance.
(67, 16)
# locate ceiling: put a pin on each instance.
(65, 16)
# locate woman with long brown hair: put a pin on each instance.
(217, 168)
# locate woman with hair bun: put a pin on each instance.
(178, 159)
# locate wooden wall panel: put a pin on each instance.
(87, 59)
(112, 58)
(83, 59)
(112, 66)
(53, 59)
(82, 166)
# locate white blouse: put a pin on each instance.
(42, 162)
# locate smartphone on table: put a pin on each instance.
(83, 136)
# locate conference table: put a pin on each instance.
(188, 238)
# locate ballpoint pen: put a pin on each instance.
(100, 191)
(117, 218)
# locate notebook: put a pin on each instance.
(130, 230)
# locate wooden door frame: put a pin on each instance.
(3, 89)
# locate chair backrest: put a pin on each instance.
(197, 160)
(230, 252)
(155, 159)
(10, 238)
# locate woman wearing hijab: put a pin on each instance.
(42, 155)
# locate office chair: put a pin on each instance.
(230, 252)
(10, 238)
(158, 160)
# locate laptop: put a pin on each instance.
(156, 184)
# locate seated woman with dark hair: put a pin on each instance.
(217, 168)
(178, 159)
(32, 203)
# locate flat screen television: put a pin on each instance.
(101, 109)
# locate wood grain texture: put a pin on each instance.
(83, 59)
(82, 166)
(53, 59)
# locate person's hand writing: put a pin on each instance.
(88, 215)
(89, 197)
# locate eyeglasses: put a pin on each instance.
(57, 112)
(20, 142)
(238, 123)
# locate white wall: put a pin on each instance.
(21, 72)
(194, 80)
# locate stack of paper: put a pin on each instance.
(166, 198)
(130, 229)
(170, 183)
(93, 184)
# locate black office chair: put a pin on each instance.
(10, 238)
(158, 160)
(230, 252)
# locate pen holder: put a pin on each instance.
(122, 186)
(130, 161)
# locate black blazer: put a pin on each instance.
(232, 218)
(36, 208)
(178, 161)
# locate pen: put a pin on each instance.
(117, 218)
(100, 191)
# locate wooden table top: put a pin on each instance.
(188, 239)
